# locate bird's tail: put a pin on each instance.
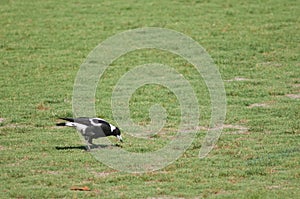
(61, 124)
(67, 119)
(69, 123)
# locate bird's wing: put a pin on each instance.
(104, 123)
(98, 121)
(94, 132)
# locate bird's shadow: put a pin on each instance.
(71, 148)
(85, 148)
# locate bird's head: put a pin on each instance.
(117, 133)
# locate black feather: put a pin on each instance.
(61, 124)
(67, 119)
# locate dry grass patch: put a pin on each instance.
(293, 96)
(237, 79)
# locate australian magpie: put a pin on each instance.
(92, 128)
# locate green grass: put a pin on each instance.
(42, 45)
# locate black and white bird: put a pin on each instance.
(92, 128)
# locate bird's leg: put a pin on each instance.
(88, 147)
(90, 142)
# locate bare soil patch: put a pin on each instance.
(236, 129)
(237, 79)
(258, 105)
(293, 96)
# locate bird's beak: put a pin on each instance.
(120, 138)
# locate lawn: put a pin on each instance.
(255, 47)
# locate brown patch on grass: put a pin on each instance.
(258, 105)
(273, 64)
(293, 96)
(296, 85)
(46, 172)
(2, 148)
(237, 79)
(235, 180)
(165, 197)
(237, 129)
(42, 107)
(53, 172)
(274, 187)
(103, 173)
(15, 125)
(2, 119)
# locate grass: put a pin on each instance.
(255, 45)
